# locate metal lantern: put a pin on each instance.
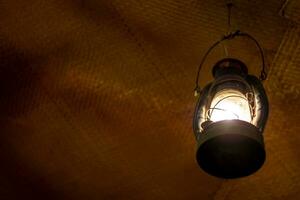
(229, 120)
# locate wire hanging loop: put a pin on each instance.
(230, 36)
(229, 7)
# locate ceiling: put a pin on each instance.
(97, 97)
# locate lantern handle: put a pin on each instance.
(232, 35)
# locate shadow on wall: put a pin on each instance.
(19, 80)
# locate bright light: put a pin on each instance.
(228, 105)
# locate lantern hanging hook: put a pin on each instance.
(229, 7)
(230, 36)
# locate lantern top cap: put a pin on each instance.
(229, 66)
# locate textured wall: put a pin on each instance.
(97, 98)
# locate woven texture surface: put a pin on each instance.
(97, 97)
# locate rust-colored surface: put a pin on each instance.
(97, 98)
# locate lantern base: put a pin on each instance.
(231, 149)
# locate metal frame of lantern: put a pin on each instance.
(230, 117)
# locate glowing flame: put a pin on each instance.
(229, 105)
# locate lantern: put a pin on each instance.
(229, 121)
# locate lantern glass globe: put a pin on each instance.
(228, 105)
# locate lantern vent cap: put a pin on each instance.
(229, 66)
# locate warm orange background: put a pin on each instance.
(97, 97)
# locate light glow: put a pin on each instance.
(228, 105)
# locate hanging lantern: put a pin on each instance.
(230, 117)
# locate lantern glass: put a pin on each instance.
(229, 104)
(229, 97)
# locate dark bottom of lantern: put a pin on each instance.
(230, 149)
